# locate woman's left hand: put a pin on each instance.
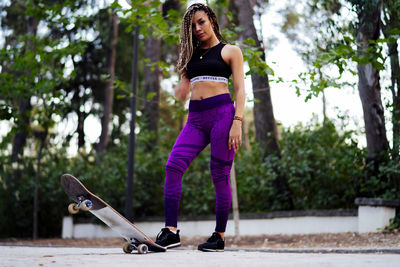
(235, 135)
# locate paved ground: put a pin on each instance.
(67, 256)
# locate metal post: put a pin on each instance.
(235, 202)
(131, 157)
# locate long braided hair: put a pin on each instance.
(188, 43)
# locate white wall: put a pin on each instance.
(293, 225)
(373, 218)
(369, 219)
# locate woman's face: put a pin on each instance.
(202, 26)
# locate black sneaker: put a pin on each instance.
(168, 239)
(214, 243)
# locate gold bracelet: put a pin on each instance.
(237, 118)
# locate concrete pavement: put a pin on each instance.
(68, 256)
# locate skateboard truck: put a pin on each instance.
(83, 204)
(134, 244)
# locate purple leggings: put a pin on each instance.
(209, 121)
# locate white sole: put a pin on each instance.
(174, 245)
(212, 250)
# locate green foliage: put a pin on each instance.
(33, 67)
(148, 15)
(17, 182)
(363, 7)
(254, 56)
(394, 226)
(323, 168)
(340, 48)
(386, 182)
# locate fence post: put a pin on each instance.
(235, 203)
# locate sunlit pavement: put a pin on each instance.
(67, 256)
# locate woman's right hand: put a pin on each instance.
(182, 90)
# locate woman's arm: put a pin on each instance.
(182, 90)
(238, 80)
(235, 58)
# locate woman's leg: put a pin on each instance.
(190, 142)
(221, 164)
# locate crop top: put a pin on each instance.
(208, 65)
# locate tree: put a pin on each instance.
(349, 42)
(391, 27)
(109, 89)
(152, 87)
(264, 120)
(16, 12)
(368, 32)
(34, 71)
(311, 29)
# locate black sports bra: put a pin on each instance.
(208, 65)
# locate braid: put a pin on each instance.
(187, 43)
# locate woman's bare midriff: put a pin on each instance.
(202, 90)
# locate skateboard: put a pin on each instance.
(87, 201)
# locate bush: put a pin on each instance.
(17, 182)
(323, 169)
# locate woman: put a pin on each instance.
(205, 65)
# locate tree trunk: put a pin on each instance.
(25, 104)
(391, 21)
(369, 86)
(152, 88)
(395, 73)
(109, 89)
(166, 6)
(42, 139)
(20, 137)
(264, 120)
(221, 14)
(77, 103)
(325, 117)
(80, 128)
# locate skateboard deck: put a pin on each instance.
(87, 201)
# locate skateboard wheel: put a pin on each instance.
(86, 205)
(127, 248)
(143, 249)
(72, 208)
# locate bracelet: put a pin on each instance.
(237, 118)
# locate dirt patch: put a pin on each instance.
(341, 240)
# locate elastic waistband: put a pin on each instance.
(206, 78)
(210, 102)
